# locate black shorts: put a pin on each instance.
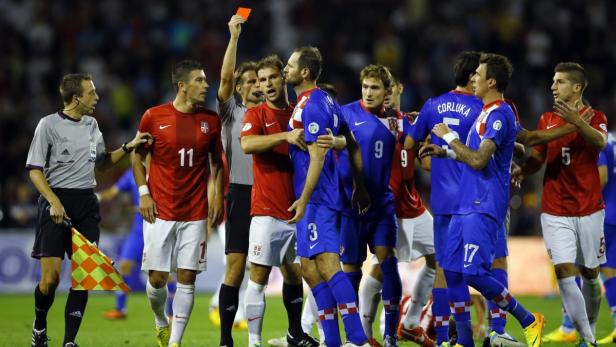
(54, 240)
(238, 218)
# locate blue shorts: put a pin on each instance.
(471, 244)
(318, 232)
(441, 225)
(132, 246)
(609, 235)
(501, 250)
(378, 227)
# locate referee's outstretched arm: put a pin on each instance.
(111, 158)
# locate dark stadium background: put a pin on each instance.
(128, 47)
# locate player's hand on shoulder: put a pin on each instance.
(327, 141)
(296, 137)
(432, 150)
(440, 129)
(235, 25)
(147, 207)
(587, 115)
(140, 138)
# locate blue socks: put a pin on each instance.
(460, 302)
(326, 306)
(392, 292)
(610, 294)
(121, 301)
(498, 317)
(171, 287)
(346, 299)
(493, 290)
(355, 278)
(441, 313)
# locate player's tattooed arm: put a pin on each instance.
(225, 90)
(572, 116)
(475, 159)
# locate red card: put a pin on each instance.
(243, 12)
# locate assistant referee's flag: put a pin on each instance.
(91, 268)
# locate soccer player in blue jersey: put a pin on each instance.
(473, 230)
(132, 246)
(377, 132)
(318, 199)
(607, 175)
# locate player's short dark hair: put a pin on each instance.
(310, 58)
(71, 85)
(465, 66)
(271, 61)
(182, 70)
(377, 71)
(394, 78)
(243, 68)
(499, 68)
(575, 73)
(329, 89)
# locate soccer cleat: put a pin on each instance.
(390, 341)
(558, 335)
(611, 338)
(502, 340)
(278, 342)
(351, 344)
(416, 334)
(71, 344)
(175, 344)
(585, 344)
(534, 331)
(39, 338)
(162, 336)
(373, 342)
(303, 340)
(240, 325)
(214, 317)
(114, 315)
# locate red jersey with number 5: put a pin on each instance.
(402, 182)
(179, 166)
(571, 181)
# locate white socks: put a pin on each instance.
(182, 307)
(573, 300)
(158, 298)
(591, 290)
(419, 297)
(241, 313)
(369, 298)
(255, 308)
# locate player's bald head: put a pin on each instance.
(310, 58)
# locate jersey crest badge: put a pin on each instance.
(204, 127)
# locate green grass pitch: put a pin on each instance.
(138, 329)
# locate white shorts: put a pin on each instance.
(271, 241)
(575, 240)
(415, 238)
(169, 245)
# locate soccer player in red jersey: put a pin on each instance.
(173, 200)
(272, 238)
(572, 204)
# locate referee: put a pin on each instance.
(66, 148)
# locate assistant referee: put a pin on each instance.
(66, 148)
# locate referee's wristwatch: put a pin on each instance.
(125, 148)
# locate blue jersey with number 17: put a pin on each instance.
(486, 191)
(458, 110)
(315, 112)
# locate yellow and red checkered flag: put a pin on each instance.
(91, 268)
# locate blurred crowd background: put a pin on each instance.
(129, 46)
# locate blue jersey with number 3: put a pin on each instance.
(458, 110)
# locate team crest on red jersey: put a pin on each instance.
(204, 127)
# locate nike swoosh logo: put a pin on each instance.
(267, 125)
(359, 123)
(255, 318)
(467, 265)
(313, 246)
(161, 127)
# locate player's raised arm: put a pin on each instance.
(225, 90)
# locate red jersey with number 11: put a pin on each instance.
(571, 181)
(179, 167)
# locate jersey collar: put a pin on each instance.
(64, 116)
(493, 103)
(380, 114)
